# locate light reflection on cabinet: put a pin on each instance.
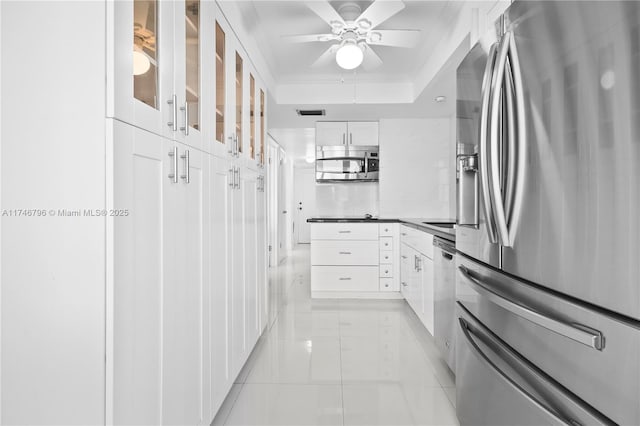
(192, 50)
(239, 101)
(145, 63)
(220, 83)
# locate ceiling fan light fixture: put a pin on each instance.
(349, 56)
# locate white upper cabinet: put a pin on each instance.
(347, 133)
(331, 132)
(154, 53)
(140, 64)
(363, 132)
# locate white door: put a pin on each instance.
(248, 188)
(363, 133)
(261, 252)
(220, 191)
(331, 133)
(305, 202)
(143, 261)
(282, 209)
(182, 302)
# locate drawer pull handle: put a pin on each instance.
(404, 284)
(344, 232)
(404, 234)
(345, 252)
(345, 279)
(404, 257)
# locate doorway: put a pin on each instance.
(305, 202)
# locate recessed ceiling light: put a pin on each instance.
(440, 98)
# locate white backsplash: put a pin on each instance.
(347, 199)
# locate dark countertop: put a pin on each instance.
(416, 223)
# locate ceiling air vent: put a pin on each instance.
(305, 112)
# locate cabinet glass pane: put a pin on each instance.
(145, 48)
(192, 50)
(220, 84)
(263, 131)
(239, 100)
(252, 116)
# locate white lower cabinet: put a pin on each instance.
(417, 274)
(158, 247)
(188, 297)
(345, 278)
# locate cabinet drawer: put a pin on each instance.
(344, 231)
(344, 278)
(386, 243)
(386, 271)
(327, 252)
(419, 240)
(387, 229)
(386, 284)
(386, 256)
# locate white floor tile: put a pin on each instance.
(324, 361)
(315, 360)
(282, 404)
(395, 404)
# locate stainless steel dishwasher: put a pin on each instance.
(445, 299)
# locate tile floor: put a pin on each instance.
(339, 362)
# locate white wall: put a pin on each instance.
(415, 168)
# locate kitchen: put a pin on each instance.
(345, 212)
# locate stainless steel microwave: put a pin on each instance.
(347, 163)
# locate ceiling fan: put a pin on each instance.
(354, 32)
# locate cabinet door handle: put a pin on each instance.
(403, 256)
(344, 135)
(404, 284)
(230, 150)
(404, 234)
(231, 178)
(186, 175)
(350, 138)
(174, 157)
(238, 179)
(174, 105)
(185, 108)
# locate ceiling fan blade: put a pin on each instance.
(371, 59)
(378, 12)
(325, 11)
(396, 38)
(307, 38)
(327, 57)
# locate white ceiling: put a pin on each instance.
(291, 62)
(297, 134)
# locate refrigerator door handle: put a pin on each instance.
(580, 333)
(518, 160)
(526, 373)
(495, 191)
(483, 156)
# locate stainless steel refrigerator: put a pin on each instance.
(548, 181)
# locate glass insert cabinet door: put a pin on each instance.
(145, 54)
(239, 100)
(221, 91)
(252, 116)
(263, 130)
(192, 64)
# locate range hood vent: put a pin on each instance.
(306, 112)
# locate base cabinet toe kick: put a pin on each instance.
(355, 260)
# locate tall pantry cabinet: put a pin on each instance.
(144, 312)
